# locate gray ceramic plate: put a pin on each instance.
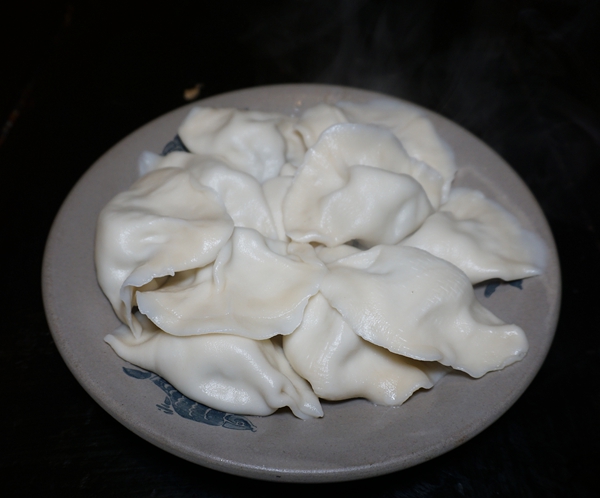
(355, 439)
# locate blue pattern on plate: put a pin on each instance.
(491, 287)
(175, 402)
(175, 145)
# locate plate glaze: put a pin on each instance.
(355, 439)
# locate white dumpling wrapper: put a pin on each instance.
(275, 191)
(240, 192)
(165, 223)
(315, 120)
(480, 237)
(256, 288)
(376, 146)
(148, 162)
(412, 303)
(355, 183)
(249, 141)
(226, 372)
(413, 129)
(340, 365)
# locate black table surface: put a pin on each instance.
(79, 76)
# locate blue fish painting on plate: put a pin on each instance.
(175, 402)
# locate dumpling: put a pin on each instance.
(257, 288)
(413, 129)
(225, 372)
(412, 303)
(405, 121)
(481, 238)
(340, 365)
(315, 120)
(250, 141)
(356, 183)
(165, 223)
(240, 192)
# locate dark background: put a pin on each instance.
(77, 77)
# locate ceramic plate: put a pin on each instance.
(355, 439)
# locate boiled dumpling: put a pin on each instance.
(413, 129)
(165, 223)
(257, 287)
(355, 183)
(481, 238)
(315, 120)
(240, 192)
(340, 365)
(249, 141)
(412, 303)
(405, 121)
(226, 372)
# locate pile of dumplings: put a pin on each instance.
(277, 260)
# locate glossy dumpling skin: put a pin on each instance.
(225, 372)
(340, 365)
(167, 222)
(275, 191)
(481, 238)
(256, 143)
(412, 303)
(413, 129)
(358, 183)
(257, 288)
(241, 194)
(406, 122)
(315, 120)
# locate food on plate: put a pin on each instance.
(339, 364)
(277, 260)
(224, 371)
